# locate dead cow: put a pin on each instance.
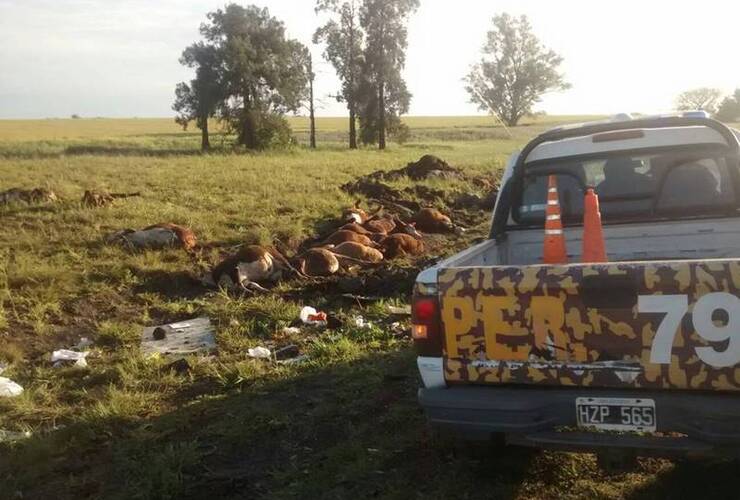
(249, 268)
(324, 261)
(317, 262)
(36, 195)
(102, 199)
(158, 236)
(400, 244)
(358, 251)
(355, 214)
(431, 220)
(344, 235)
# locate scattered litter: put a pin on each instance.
(185, 337)
(400, 311)
(294, 361)
(311, 316)
(12, 436)
(65, 355)
(287, 352)
(83, 344)
(291, 330)
(361, 322)
(9, 389)
(259, 353)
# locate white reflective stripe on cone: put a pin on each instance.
(551, 232)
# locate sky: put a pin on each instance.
(119, 58)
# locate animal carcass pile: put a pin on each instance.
(411, 199)
(370, 252)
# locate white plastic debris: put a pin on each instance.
(185, 337)
(361, 322)
(311, 316)
(11, 436)
(291, 330)
(400, 311)
(259, 352)
(65, 355)
(294, 361)
(83, 344)
(9, 389)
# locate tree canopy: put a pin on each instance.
(704, 98)
(384, 93)
(729, 110)
(258, 75)
(198, 100)
(344, 39)
(514, 72)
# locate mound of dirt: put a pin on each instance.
(428, 167)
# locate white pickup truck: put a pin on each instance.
(641, 353)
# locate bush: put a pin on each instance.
(729, 110)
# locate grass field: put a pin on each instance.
(344, 424)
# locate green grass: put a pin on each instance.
(345, 424)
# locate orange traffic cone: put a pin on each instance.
(593, 235)
(554, 251)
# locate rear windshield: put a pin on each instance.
(633, 187)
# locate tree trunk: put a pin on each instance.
(312, 138)
(248, 132)
(381, 115)
(205, 143)
(352, 126)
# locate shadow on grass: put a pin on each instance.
(347, 430)
(693, 479)
(171, 284)
(99, 150)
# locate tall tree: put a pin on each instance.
(514, 72)
(198, 101)
(344, 39)
(729, 110)
(307, 62)
(384, 22)
(263, 73)
(704, 98)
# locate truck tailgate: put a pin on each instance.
(673, 324)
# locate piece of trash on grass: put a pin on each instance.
(12, 436)
(259, 352)
(65, 355)
(400, 311)
(311, 316)
(83, 344)
(9, 389)
(185, 337)
(294, 361)
(361, 322)
(291, 330)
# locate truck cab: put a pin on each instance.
(641, 352)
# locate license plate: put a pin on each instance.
(616, 414)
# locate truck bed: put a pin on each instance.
(669, 240)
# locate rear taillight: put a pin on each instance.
(425, 323)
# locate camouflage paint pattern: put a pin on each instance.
(537, 325)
